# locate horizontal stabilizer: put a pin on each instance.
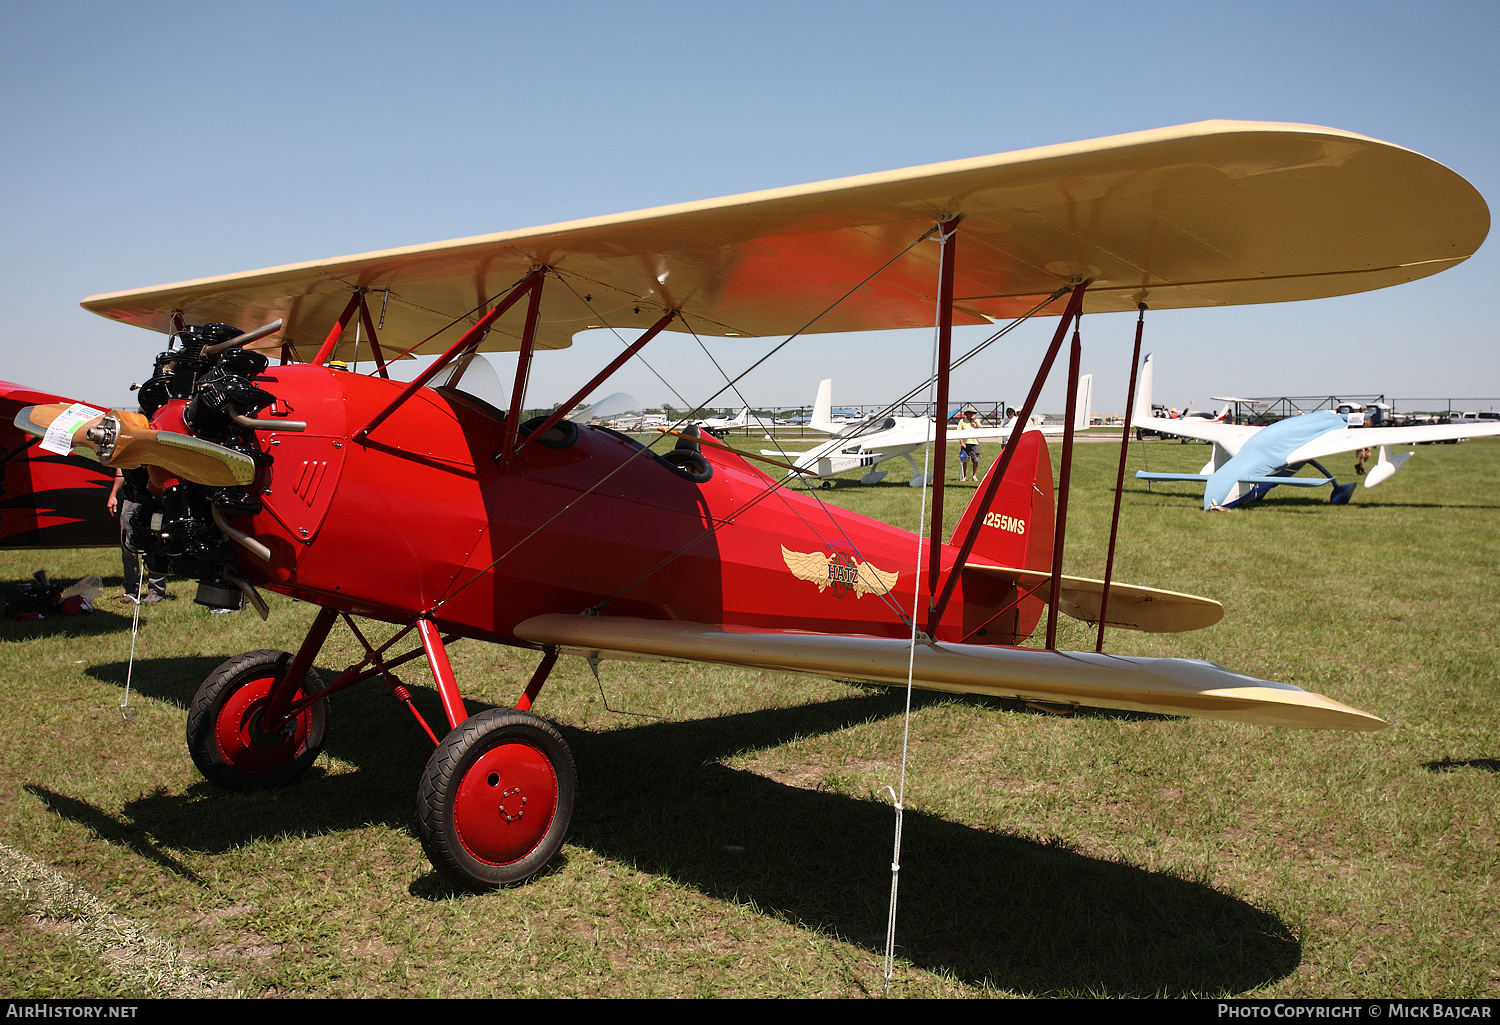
(1148, 475)
(1130, 606)
(1289, 482)
(1169, 686)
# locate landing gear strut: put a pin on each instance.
(496, 797)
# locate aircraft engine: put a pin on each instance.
(203, 387)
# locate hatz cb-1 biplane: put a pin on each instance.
(575, 539)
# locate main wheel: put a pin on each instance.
(224, 733)
(495, 799)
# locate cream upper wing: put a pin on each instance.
(1208, 214)
(874, 581)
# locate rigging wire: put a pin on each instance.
(713, 527)
(484, 304)
(127, 710)
(740, 377)
(586, 300)
(932, 378)
(358, 323)
(975, 351)
(817, 317)
(899, 794)
(883, 592)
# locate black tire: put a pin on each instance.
(222, 725)
(470, 826)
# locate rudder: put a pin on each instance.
(1016, 528)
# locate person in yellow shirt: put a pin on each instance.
(968, 451)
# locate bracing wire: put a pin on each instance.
(127, 710)
(883, 592)
(714, 527)
(816, 317)
(615, 331)
(932, 378)
(975, 351)
(483, 305)
(899, 794)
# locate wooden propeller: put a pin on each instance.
(127, 440)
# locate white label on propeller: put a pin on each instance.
(59, 437)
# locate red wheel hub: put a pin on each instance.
(240, 739)
(505, 803)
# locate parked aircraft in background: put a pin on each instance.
(1249, 461)
(865, 444)
(720, 424)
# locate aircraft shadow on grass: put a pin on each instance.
(1449, 764)
(1026, 915)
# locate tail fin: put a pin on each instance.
(1084, 408)
(822, 411)
(1143, 393)
(1386, 466)
(1015, 530)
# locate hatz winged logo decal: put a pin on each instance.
(841, 572)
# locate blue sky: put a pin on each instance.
(148, 143)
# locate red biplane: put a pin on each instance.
(426, 506)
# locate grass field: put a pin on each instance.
(732, 838)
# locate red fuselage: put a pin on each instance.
(418, 518)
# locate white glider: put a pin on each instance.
(1249, 461)
(864, 444)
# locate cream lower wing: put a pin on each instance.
(1164, 685)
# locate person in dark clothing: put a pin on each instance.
(131, 499)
